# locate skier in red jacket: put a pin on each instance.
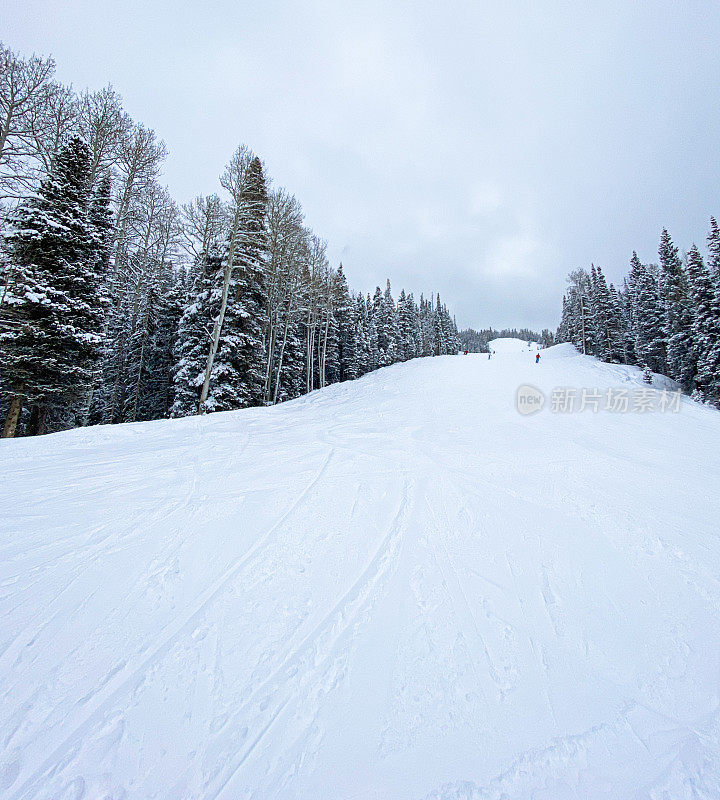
(537, 358)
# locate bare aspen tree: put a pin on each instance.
(287, 243)
(204, 221)
(316, 269)
(153, 231)
(139, 163)
(105, 127)
(162, 233)
(293, 291)
(22, 96)
(52, 124)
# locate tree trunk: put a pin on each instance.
(42, 419)
(13, 416)
(37, 424)
(270, 356)
(282, 351)
(323, 357)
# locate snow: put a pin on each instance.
(394, 588)
(507, 345)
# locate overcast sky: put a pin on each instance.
(482, 149)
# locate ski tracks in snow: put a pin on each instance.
(313, 667)
(385, 587)
(124, 677)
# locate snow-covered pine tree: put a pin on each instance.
(563, 331)
(405, 328)
(601, 345)
(713, 243)
(374, 354)
(149, 362)
(617, 328)
(706, 327)
(647, 315)
(193, 335)
(237, 376)
(102, 227)
(379, 322)
(416, 333)
(676, 314)
(447, 330)
(346, 327)
(362, 346)
(53, 309)
(161, 364)
(427, 326)
(625, 299)
(390, 327)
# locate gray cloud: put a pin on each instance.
(478, 149)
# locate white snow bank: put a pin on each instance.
(565, 350)
(393, 588)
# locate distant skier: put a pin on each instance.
(537, 358)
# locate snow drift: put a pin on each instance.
(392, 588)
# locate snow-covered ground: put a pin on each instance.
(397, 588)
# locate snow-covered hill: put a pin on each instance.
(505, 346)
(396, 588)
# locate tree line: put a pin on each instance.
(665, 318)
(118, 304)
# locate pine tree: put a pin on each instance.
(346, 327)
(237, 376)
(647, 315)
(406, 349)
(713, 242)
(51, 346)
(601, 312)
(102, 227)
(149, 360)
(706, 327)
(362, 346)
(677, 315)
(390, 327)
(617, 329)
(193, 336)
(373, 314)
(161, 366)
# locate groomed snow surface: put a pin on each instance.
(392, 589)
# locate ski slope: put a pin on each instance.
(397, 588)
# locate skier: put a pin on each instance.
(537, 358)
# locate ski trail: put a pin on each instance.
(317, 647)
(170, 634)
(396, 588)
